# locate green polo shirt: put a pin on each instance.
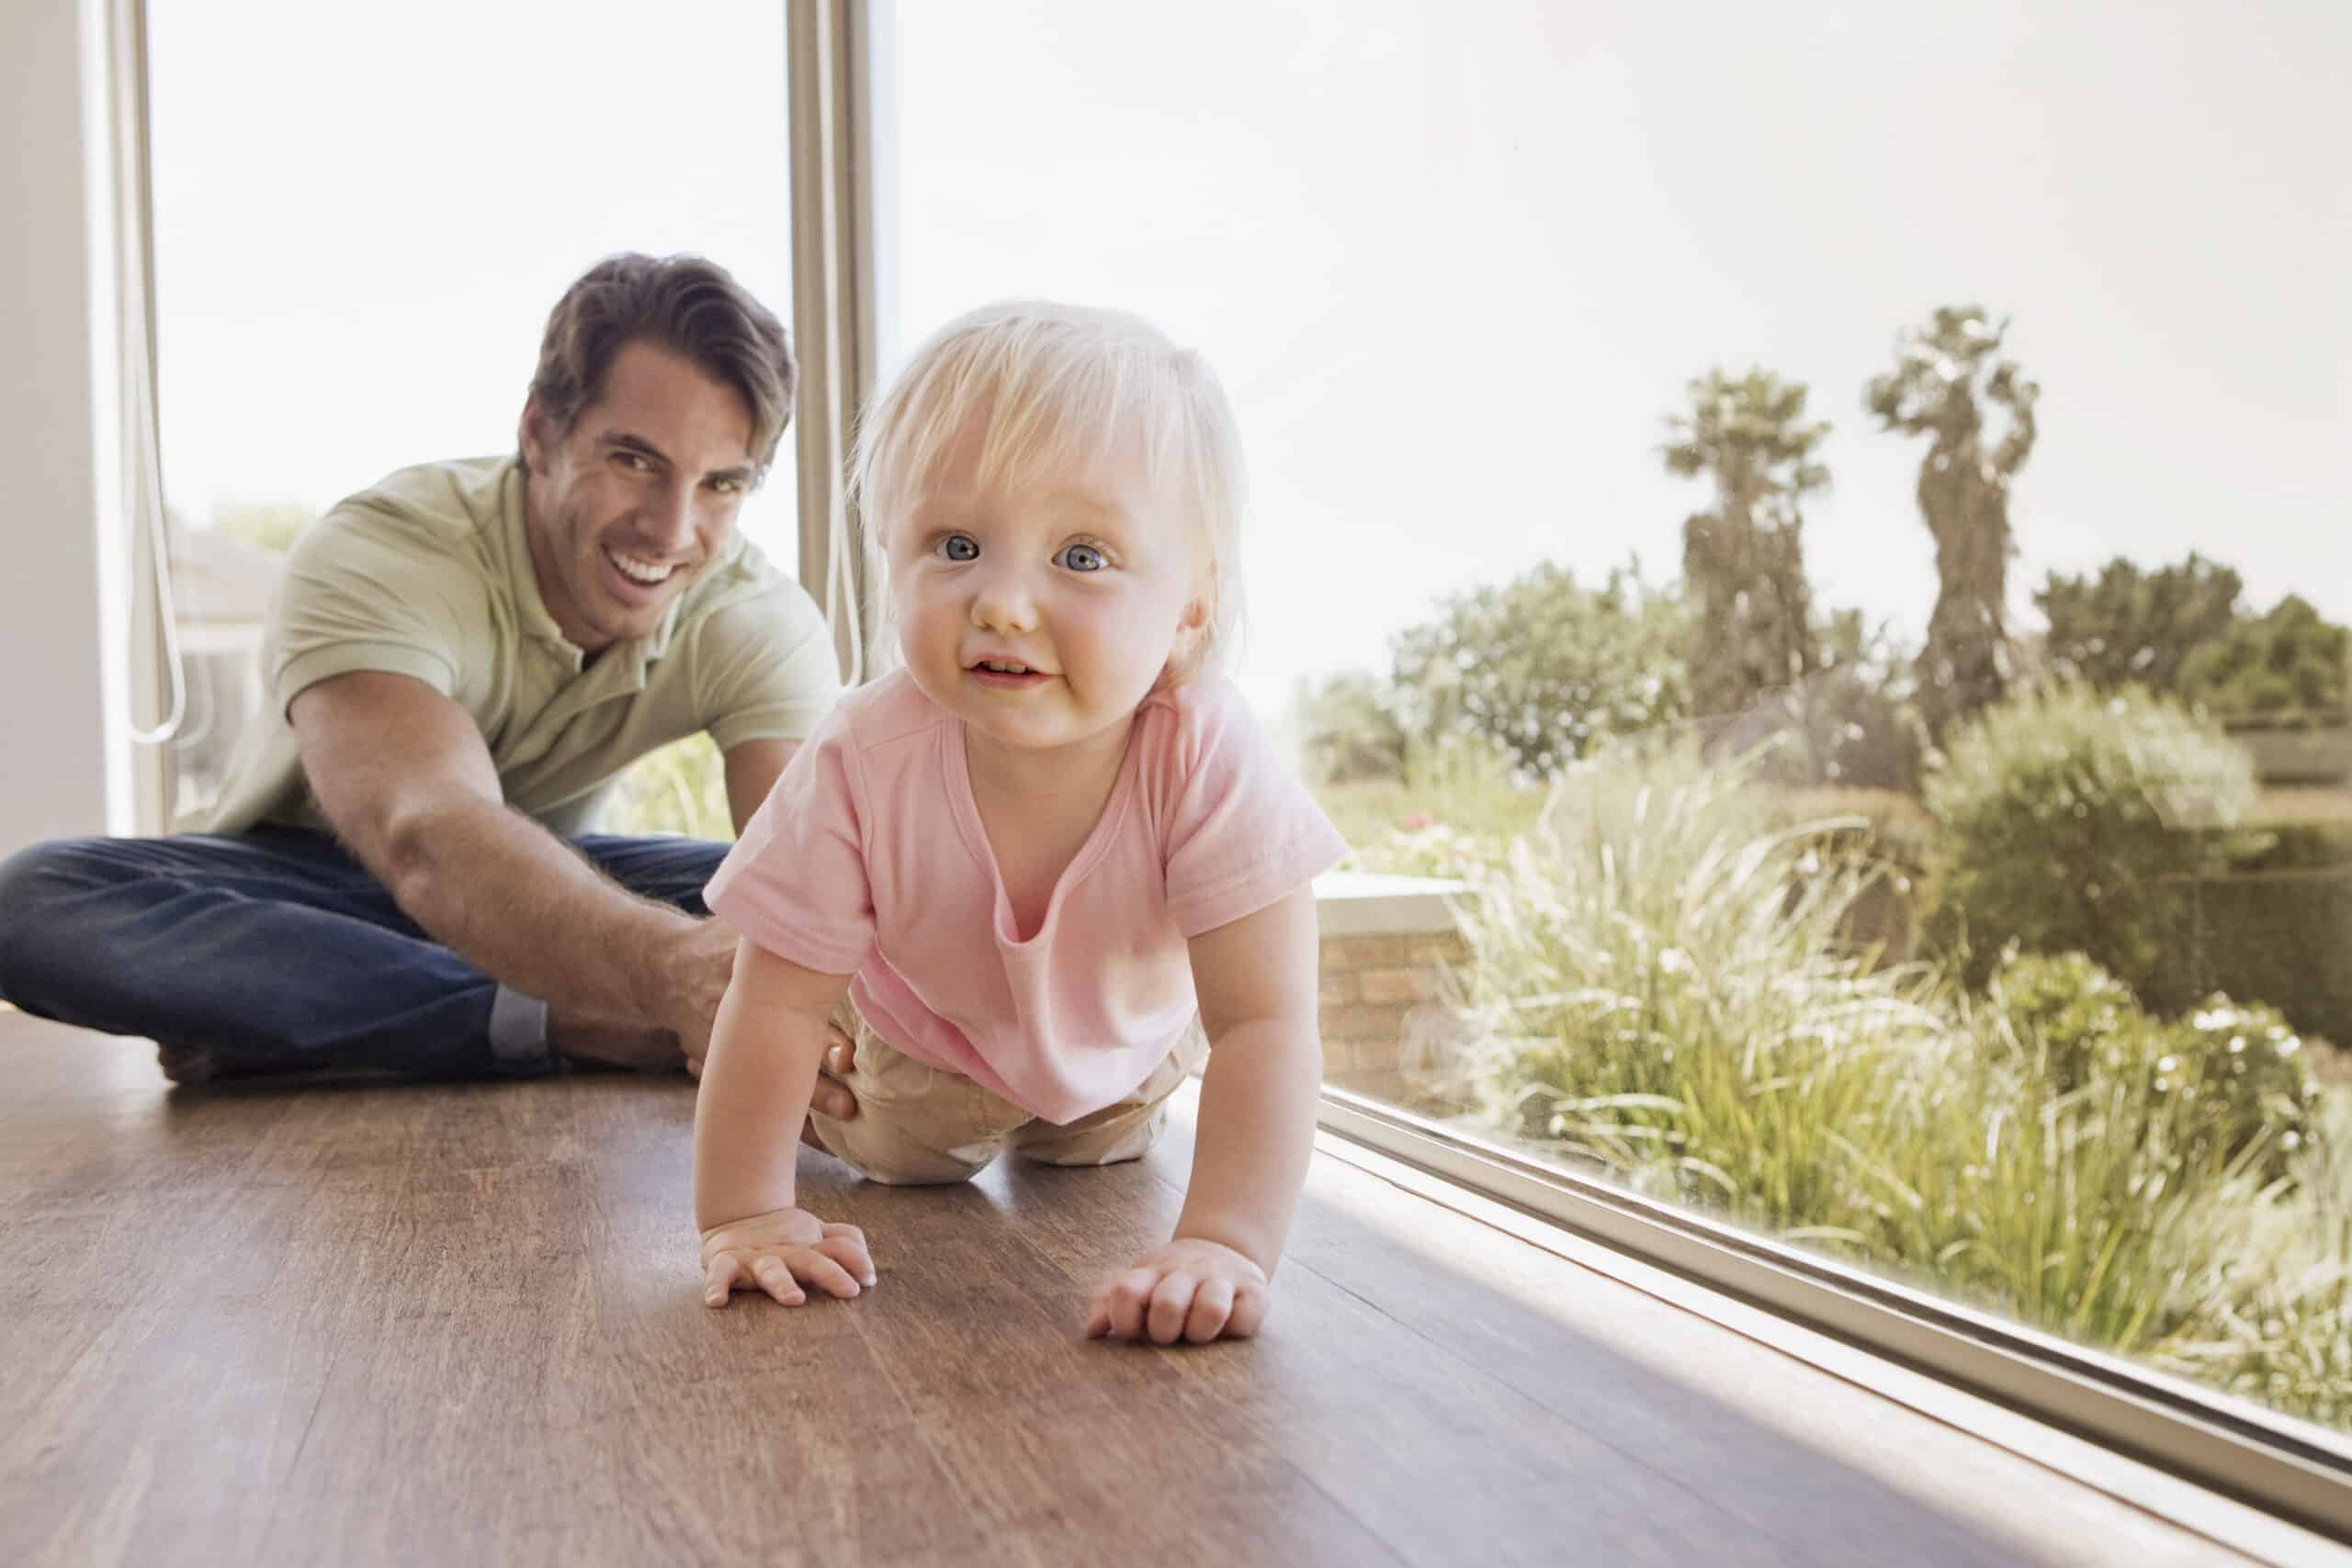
(429, 574)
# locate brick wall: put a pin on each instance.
(1370, 983)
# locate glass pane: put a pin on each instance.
(1814, 565)
(362, 218)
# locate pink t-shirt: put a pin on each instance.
(868, 858)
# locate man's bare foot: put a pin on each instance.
(599, 1043)
(586, 1041)
(186, 1064)
(190, 1066)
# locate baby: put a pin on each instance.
(1041, 871)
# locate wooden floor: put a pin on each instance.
(429, 1325)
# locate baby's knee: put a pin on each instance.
(1114, 1144)
(918, 1172)
(881, 1152)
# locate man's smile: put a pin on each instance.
(639, 570)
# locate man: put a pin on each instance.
(398, 876)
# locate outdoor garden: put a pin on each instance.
(1992, 964)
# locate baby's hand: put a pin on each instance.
(780, 1251)
(1188, 1290)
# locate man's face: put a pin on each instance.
(637, 498)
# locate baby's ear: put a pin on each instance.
(1185, 658)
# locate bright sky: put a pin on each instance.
(1454, 274)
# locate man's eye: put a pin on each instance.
(1082, 557)
(959, 546)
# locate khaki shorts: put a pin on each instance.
(918, 1124)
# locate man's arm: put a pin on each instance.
(752, 768)
(402, 776)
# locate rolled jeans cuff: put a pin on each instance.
(518, 1028)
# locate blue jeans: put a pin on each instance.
(276, 948)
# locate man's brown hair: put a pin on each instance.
(684, 304)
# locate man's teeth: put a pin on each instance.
(646, 572)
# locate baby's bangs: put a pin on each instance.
(1052, 390)
(1069, 401)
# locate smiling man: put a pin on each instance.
(401, 874)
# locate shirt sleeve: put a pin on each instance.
(1243, 833)
(359, 594)
(796, 881)
(764, 666)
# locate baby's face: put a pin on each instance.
(1041, 613)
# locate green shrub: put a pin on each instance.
(1545, 668)
(2073, 822)
(2236, 1077)
(2100, 1212)
(1660, 983)
(1664, 984)
(682, 788)
(2289, 660)
(2246, 1073)
(2069, 1020)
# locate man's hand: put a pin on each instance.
(697, 972)
(704, 962)
(698, 965)
(1191, 1290)
(779, 1252)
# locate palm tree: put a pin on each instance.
(1945, 378)
(1743, 561)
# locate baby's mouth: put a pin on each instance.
(1006, 674)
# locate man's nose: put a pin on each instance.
(670, 519)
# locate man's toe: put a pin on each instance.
(186, 1064)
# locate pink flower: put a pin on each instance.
(1418, 820)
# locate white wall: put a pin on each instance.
(62, 652)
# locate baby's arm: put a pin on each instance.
(1256, 980)
(755, 1087)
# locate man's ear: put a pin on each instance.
(532, 435)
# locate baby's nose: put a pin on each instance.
(1003, 602)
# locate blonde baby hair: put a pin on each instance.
(1055, 387)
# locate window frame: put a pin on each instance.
(2290, 1470)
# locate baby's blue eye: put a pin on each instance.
(961, 546)
(1082, 557)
